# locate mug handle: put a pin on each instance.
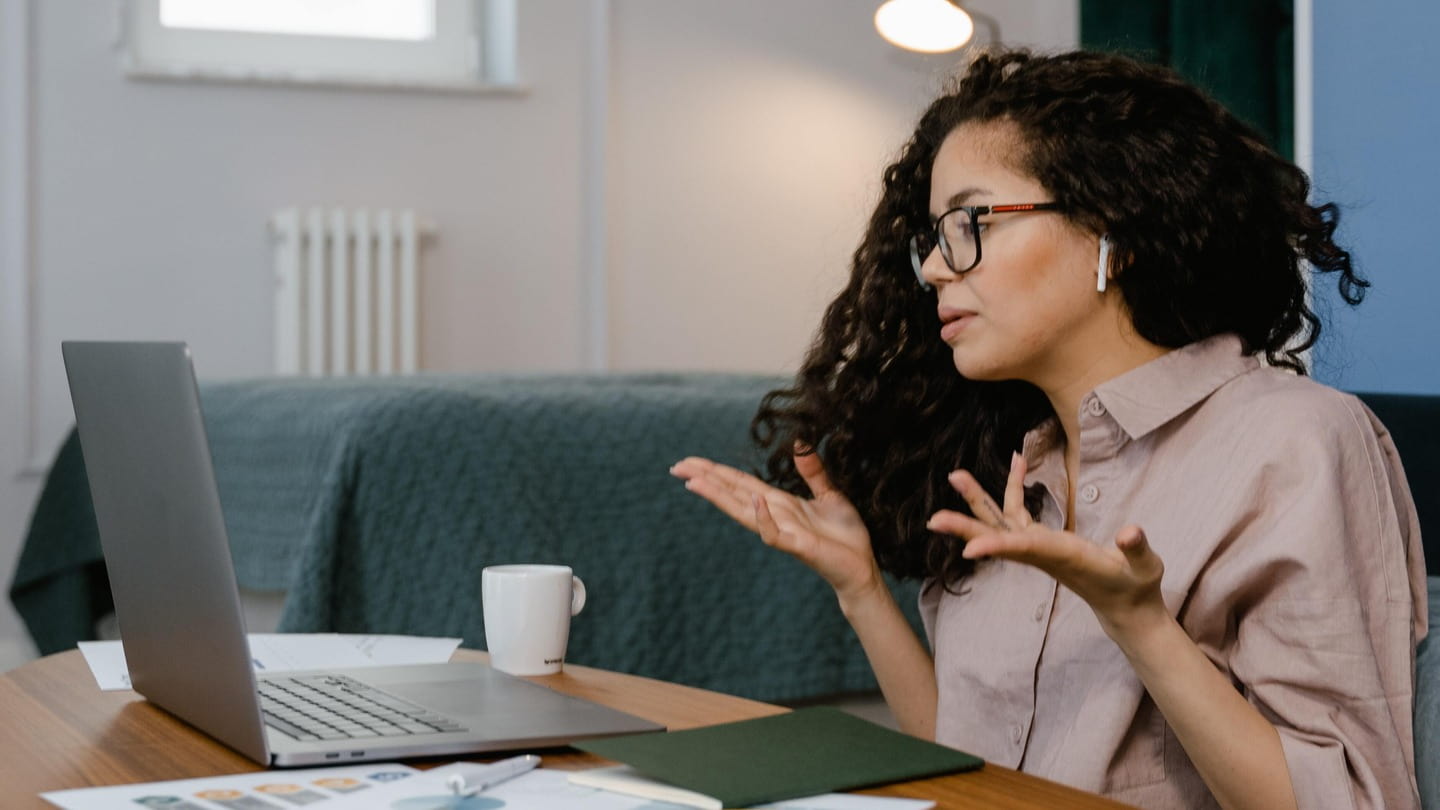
(577, 595)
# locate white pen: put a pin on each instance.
(493, 775)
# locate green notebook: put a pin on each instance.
(786, 756)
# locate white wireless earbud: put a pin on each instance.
(1103, 270)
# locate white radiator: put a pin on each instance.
(346, 291)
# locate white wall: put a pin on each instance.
(17, 490)
(727, 153)
(747, 143)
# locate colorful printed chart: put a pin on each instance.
(269, 790)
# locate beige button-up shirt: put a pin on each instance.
(1292, 558)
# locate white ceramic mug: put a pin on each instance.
(527, 615)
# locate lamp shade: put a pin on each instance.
(928, 26)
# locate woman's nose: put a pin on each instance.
(934, 269)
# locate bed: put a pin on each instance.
(373, 503)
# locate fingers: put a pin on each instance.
(1034, 544)
(981, 504)
(736, 494)
(981, 539)
(769, 530)
(1131, 540)
(808, 464)
(981, 547)
(1056, 553)
(730, 490)
(1024, 546)
(1015, 491)
(741, 484)
(765, 524)
(725, 500)
(1133, 543)
(948, 521)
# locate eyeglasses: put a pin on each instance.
(957, 234)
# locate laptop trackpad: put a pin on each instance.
(462, 698)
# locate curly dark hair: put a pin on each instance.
(1213, 225)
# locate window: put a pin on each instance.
(455, 44)
(362, 19)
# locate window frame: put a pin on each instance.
(473, 51)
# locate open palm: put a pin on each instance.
(1118, 581)
(824, 532)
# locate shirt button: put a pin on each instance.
(1095, 407)
(1016, 732)
(1040, 612)
(1089, 493)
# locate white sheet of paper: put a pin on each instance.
(626, 780)
(281, 652)
(547, 789)
(847, 801)
(247, 790)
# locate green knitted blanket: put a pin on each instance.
(375, 503)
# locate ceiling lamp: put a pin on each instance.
(927, 26)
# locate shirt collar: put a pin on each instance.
(1144, 398)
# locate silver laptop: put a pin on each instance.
(148, 460)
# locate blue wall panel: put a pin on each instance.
(1377, 154)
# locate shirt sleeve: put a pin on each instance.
(929, 601)
(1323, 585)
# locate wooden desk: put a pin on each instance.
(58, 730)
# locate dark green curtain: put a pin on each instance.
(1240, 51)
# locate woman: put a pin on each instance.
(1200, 579)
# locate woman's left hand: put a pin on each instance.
(1121, 583)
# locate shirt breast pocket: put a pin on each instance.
(1139, 753)
(1140, 758)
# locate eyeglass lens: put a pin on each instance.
(957, 243)
(957, 240)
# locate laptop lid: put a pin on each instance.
(147, 457)
(162, 531)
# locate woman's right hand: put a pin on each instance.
(824, 532)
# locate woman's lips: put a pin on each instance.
(953, 322)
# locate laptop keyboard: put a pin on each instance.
(334, 707)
